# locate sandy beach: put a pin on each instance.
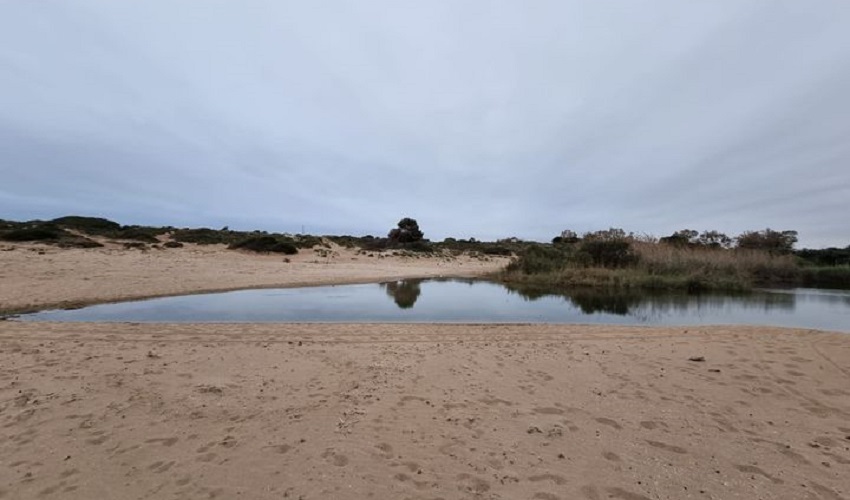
(396, 411)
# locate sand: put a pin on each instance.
(403, 411)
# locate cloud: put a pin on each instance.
(484, 119)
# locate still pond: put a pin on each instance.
(475, 301)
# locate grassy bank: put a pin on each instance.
(646, 265)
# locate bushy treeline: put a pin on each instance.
(78, 231)
(684, 260)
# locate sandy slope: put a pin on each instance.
(398, 411)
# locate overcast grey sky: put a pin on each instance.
(478, 118)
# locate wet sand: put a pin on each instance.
(352, 411)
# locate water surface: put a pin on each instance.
(471, 301)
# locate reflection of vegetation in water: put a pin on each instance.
(646, 304)
(404, 292)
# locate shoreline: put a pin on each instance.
(11, 314)
(39, 277)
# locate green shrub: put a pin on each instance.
(206, 236)
(496, 250)
(37, 233)
(144, 234)
(609, 253)
(89, 225)
(540, 259)
(826, 277)
(265, 244)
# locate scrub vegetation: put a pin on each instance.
(685, 260)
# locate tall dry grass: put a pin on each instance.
(746, 267)
(656, 266)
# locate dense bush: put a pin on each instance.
(825, 256)
(143, 234)
(826, 277)
(206, 236)
(540, 259)
(265, 244)
(307, 241)
(608, 253)
(172, 244)
(90, 225)
(496, 250)
(37, 233)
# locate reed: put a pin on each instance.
(654, 266)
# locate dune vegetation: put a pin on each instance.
(685, 260)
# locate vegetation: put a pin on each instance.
(406, 232)
(265, 244)
(686, 260)
(43, 232)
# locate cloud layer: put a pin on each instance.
(477, 118)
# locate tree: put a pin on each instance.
(714, 239)
(612, 234)
(567, 236)
(691, 238)
(406, 232)
(681, 238)
(780, 242)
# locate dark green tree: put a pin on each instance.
(778, 242)
(406, 232)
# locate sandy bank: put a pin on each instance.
(422, 411)
(38, 276)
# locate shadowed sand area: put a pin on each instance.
(270, 411)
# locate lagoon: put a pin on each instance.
(476, 301)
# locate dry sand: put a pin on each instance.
(90, 411)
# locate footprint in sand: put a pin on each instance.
(624, 494)
(164, 441)
(546, 496)
(559, 480)
(609, 422)
(386, 450)
(667, 447)
(752, 469)
(335, 458)
(472, 484)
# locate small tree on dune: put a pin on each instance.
(406, 232)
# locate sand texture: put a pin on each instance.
(353, 411)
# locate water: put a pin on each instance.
(470, 301)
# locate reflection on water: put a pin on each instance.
(650, 303)
(472, 301)
(404, 292)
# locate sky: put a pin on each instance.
(477, 118)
